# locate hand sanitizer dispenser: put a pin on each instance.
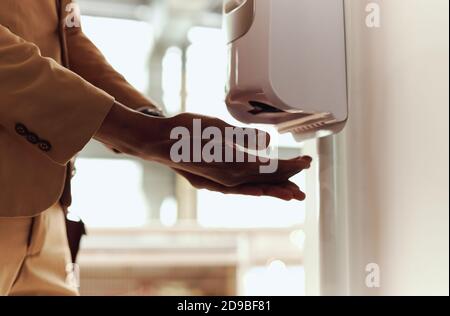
(287, 64)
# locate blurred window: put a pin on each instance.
(172, 67)
(275, 279)
(109, 193)
(128, 54)
(121, 193)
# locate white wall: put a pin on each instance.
(394, 153)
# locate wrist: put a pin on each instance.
(134, 133)
(118, 129)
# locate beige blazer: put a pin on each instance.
(55, 90)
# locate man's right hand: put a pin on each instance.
(146, 137)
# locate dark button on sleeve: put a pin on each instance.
(32, 138)
(21, 129)
(44, 145)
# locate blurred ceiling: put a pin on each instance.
(171, 19)
(131, 8)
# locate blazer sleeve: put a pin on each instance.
(86, 60)
(44, 104)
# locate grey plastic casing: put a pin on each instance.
(287, 64)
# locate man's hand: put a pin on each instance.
(149, 138)
(286, 191)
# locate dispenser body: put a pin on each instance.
(287, 64)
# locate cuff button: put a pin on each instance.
(32, 138)
(44, 146)
(21, 129)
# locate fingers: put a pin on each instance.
(289, 168)
(283, 171)
(306, 159)
(245, 190)
(298, 194)
(203, 183)
(240, 173)
(250, 138)
(286, 191)
(281, 191)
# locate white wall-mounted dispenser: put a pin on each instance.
(287, 64)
